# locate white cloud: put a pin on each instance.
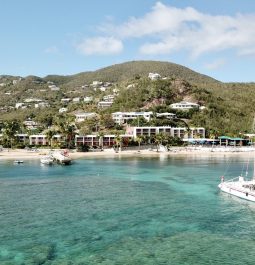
(100, 46)
(169, 29)
(216, 64)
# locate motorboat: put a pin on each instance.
(47, 160)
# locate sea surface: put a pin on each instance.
(125, 210)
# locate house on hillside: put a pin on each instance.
(123, 117)
(184, 105)
(80, 117)
(154, 76)
(61, 110)
(104, 104)
(88, 99)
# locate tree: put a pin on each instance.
(10, 130)
(68, 130)
(118, 141)
(139, 140)
(101, 139)
(49, 136)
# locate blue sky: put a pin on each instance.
(213, 37)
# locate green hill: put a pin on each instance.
(132, 70)
(230, 107)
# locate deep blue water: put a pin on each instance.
(161, 210)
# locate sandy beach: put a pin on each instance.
(20, 154)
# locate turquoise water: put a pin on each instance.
(161, 210)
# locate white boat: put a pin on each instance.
(240, 187)
(18, 161)
(47, 160)
(62, 157)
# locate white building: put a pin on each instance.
(76, 100)
(184, 105)
(175, 132)
(108, 98)
(166, 115)
(104, 104)
(65, 100)
(30, 124)
(54, 88)
(154, 76)
(123, 117)
(88, 99)
(19, 105)
(61, 110)
(80, 117)
(42, 105)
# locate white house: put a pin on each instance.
(19, 105)
(42, 105)
(84, 116)
(65, 100)
(30, 124)
(154, 76)
(123, 117)
(76, 100)
(166, 115)
(184, 105)
(104, 104)
(108, 98)
(61, 110)
(88, 99)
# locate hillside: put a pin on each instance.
(230, 107)
(132, 70)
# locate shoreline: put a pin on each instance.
(21, 154)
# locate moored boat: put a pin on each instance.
(62, 157)
(47, 160)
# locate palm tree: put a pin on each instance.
(118, 140)
(9, 131)
(101, 139)
(68, 130)
(139, 140)
(49, 136)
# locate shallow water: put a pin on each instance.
(163, 210)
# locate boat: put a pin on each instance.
(240, 186)
(47, 160)
(62, 157)
(18, 161)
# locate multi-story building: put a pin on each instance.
(123, 117)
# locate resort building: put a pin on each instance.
(65, 100)
(95, 140)
(80, 117)
(123, 117)
(76, 100)
(184, 105)
(175, 132)
(41, 139)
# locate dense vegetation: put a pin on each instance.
(230, 107)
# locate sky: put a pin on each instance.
(64, 37)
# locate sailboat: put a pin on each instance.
(240, 186)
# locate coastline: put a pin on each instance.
(20, 154)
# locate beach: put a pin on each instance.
(21, 154)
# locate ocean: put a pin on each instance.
(124, 210)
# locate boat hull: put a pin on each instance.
(237, 191)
